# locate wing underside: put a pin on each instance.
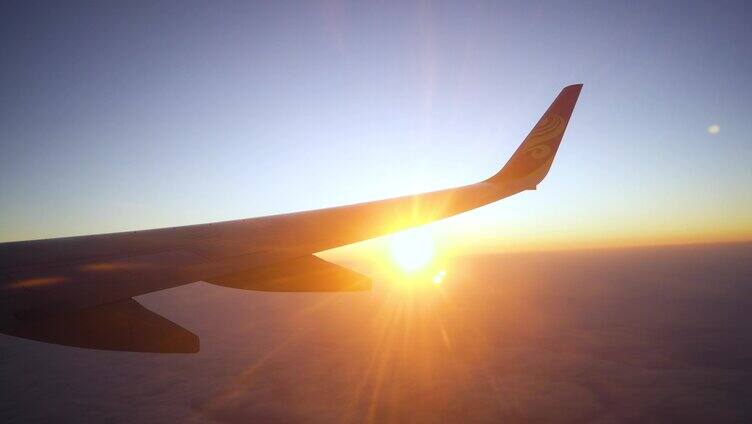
(304, 274)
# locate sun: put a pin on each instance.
(412, 249)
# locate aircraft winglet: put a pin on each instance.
(532, 160)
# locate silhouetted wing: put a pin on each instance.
(68, 274)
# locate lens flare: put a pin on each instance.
(439, 277)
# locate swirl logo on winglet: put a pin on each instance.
(550, 128)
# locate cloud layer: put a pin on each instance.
(657, 334)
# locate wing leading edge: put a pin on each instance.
(68, 274)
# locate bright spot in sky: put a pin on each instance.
(439, 277)
(412, 249)
(714, 129)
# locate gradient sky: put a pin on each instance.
(121, 116)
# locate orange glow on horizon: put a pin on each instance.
(398, 258)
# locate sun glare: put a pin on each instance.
(412, 249)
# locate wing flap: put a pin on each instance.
(304, 274)
(122, 326)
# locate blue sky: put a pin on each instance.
(138, 115)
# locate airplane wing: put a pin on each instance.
(78, 290)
